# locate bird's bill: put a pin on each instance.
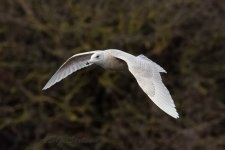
(89, 62)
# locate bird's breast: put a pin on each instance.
(113, 63)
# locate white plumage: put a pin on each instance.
(146, 72)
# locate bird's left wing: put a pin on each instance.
(73, 64)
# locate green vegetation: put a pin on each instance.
(97, 109)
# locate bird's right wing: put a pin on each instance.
(149, 79)
(73, 64)
(158, 67)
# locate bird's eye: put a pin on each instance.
(97, 56)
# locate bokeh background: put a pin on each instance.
(97, 109)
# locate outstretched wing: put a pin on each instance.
(73, 64)
(149, 79)
(158, 67)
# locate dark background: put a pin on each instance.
(97, 109)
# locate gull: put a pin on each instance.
(145, 71)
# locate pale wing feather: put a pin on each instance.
(159, 68)
(158, 93)
(149, 79)
(73, 64)
(163, 99)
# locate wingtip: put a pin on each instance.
(176, 116)
(163, 70)
(45, 88)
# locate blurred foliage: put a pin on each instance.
(97, 109)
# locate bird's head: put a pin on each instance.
(97, 58)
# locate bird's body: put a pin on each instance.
(146, 72)
(112, 63)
